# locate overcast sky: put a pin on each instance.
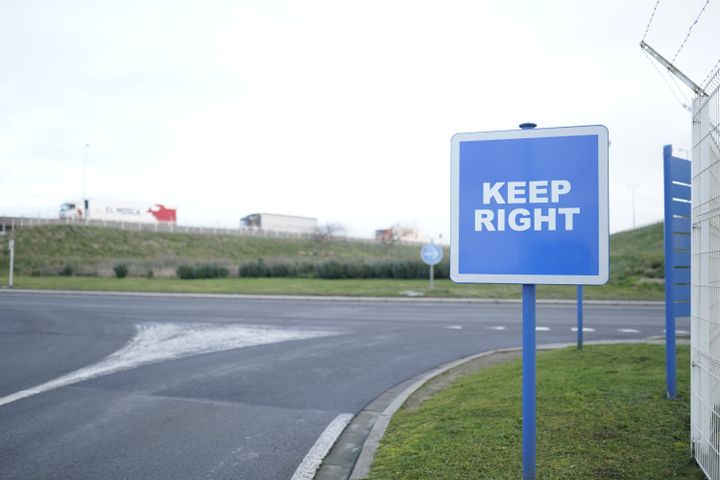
(337, 110)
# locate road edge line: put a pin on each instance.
(335, 298)
(312, 461)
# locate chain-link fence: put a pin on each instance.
(705, 308)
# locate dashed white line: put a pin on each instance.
(155, 343)
(542, 329)
(306, 470)
(496, 327)
(679, 332)
(585, 329)
(628, 330)
(454, 327)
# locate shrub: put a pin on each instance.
(67, 271)
(381, 270)
(121, 270)
(305, 269)
(210, 271)
(359, 270)
(185, 272)
(331, 269)
(283, 270)
(253, 269)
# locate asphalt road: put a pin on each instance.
(220, 388)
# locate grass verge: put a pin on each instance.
(602, 414)
(316, 286)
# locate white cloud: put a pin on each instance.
(338, 110)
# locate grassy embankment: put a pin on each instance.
(43, 252)
(602, 414)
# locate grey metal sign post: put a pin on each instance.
(11, 247)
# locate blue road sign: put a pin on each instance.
(431, 254)
(677, 187)
(530, 206)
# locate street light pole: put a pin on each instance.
(87, 145)
(633, 187)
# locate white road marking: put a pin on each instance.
(307, 468)
(542, 329)
(155, 343)
(454, 327)
(497, 327)
(585, 329)
(678, 332)
(628, 330)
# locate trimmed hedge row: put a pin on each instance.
(192, 272)
(333, 269)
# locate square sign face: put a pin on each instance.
(530, 206)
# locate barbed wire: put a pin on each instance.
(652, 15)
(711, 74)
(672, 90)
(690, 31)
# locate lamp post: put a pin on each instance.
(632, 187)
(87, 145)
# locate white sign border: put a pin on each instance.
(603, 206)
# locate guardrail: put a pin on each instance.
(10, 223)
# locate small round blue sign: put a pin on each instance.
(431, 254)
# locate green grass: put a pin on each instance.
(602, 414)
(636, 264)
(315, 286)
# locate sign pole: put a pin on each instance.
(579, 316)
(431, 255)
(11, 247)
(528, 382)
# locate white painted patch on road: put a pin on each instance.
(585, 329)
(496, 327)
(155, 343)
(313, 459)
(678, 332)
(454, 327)
(628, 330)
(542, 329)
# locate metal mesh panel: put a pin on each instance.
(705, 303)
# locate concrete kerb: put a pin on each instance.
(339, 464)
(637, 303)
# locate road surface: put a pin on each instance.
(171, 387)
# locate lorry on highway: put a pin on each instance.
(118, 211)
(280, 223)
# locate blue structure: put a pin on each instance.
(529, 387)
(579, 316)
(677, 180)
(530, 206)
